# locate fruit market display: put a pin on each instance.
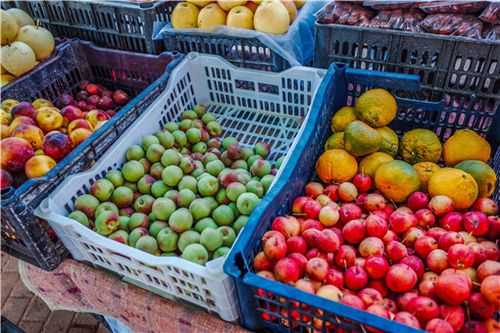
(24, 44)
(183, 191)
(268, 16)
(35, 135)
(403, 228)
(474, 19)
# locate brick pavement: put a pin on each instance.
(31, 314)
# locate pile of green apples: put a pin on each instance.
(183, 191)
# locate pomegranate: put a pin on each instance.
(452, 288)
(355, 278)
(476, 223)
(423, 308)
(460, 256)
(452, 222)
(371, 246)
(376, 266)
(376, 226)
(437, 260)
(440, 205)
(417, 200)
(438, 326)
(400, 278)
(425, 218)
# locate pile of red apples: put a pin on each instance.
(422, 264)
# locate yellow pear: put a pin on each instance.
(240, 17)
(185, 16)
(292, 10)
(211, 16)
(228, 4)
(200, 3)
(271, 17)
(8, 27)
(299, 3)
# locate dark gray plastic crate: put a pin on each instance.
(115, 25)
(463, 73)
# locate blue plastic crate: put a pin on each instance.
(266, 304)
(141, 75)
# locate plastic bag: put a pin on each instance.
(453, 25)
(452, 7)
(491, 14)
(493, 33)
(399, 19)
(344, 13)
(296, 46)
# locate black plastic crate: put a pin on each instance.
(117, 25)
(24, 235)
(464, 73)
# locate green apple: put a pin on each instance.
(166, 139)
(106, 207)
(228, 235)
(185, 124)
(223, 215)
(133, 171)
(240, 223)
(215, 167)
(80, 217)
(124, 221)
(172, 175)
(260, 168)
(207, 118)
(155, 152)
(145, 183)
(122, 196)
(189, 114)
(221, 197)
(247, 202)
(180, 138)
(208, 186)
(227, 141)
(135, 153)
(204, 223)
(186, 238)
(120, 236)
(144, 203)
(199, 110)
(180, 220)
(246, 153)
(208, 157)
(251, 160)
(106, 223)
(156, 170)
(185, 197)
(156, 227)
(170, 157)
(193, 135)
(221, 252)
(115, 177)
(266, 181)
(239, 164)
(196, 253)
(158, 189)
(211, 239)
(163, 208)
(171, 127)
(167, 240)
(135, 234)
(255, 187)
(147, 244)
(171, 194)
(138, 220)
(131, 185)
(212, 203)
(148, 140)
(188, 182)
(87, 203)
(279, 162)
(200, 147)
(234, 190)
(199, 208)
(262, 149)
(214, 128)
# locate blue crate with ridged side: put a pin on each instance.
(267, 304)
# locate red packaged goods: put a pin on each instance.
(493, 33)
(390, 4)
(452, 7)
(399, 19)
(453, 25)
(491, 14)
(344, 13)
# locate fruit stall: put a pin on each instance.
(262, 165)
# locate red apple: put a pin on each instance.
(476, 223)
(487, 268)
(404, 299)
(490, 289)
(272, 233)
(450, 238)
(289, 226)
(494, 232)
(460, 256)
(491, 249)
(437, 260)
(452, 288)
(376, 226)
(400, 278)
(370, 296)
(473, 326)
(425, 218)
(400, 221)
(312, 237)
(480, 307)
(296, 244)
(275, 248)
(454, 315)
(347, 192)
(374, 202)
(390, 236)
(353, 232)
(479, 253)
(437, 325)
(416, 264)
(93, 89)
(353, 301)
(417, 200)
(298, 205)
(305, 285)
(328, 241)
(435, 232)
(371, 246)
(362, 182)
(379, 285)
(345, 256)
(332, 192)
(440, 205)
(313, 189)
(120, 97)
(452, 222)
(105, 103)
(300, 259)
(407, 319)
(412, 235)
(287, 270)
(349, 212)
(396, 251)
(426, 288)
(376, 266)
(423, 308)
(335, 277)
(310, 224)
(317, 269)
(311, 208)
(262, 263)
(355, 278)
(486, 206)
(71, 113)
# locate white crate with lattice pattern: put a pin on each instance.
(251, 106)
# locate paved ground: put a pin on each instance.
(31, 314)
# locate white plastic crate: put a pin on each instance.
(251, 106)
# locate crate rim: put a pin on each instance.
(12, 194)
(425, 35)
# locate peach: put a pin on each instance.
(79, 123)
(57, 145)
(5, 117)
(38, 166)
(4, 131)
(78, 135)
(15, 152)
(95, 116)
(40, 103)
(30, 133)
(24, 109)
(19, 120)
(49, 119)
(71, 113)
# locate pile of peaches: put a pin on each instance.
(423, 264)
(36, 135)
